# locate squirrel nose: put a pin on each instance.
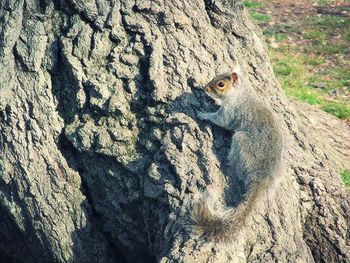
(208, 89)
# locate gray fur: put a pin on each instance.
(254, 157)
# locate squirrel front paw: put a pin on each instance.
(201, 115)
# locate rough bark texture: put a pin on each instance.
(102, 153)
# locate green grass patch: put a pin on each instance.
(342, 75)
(345, 176)
(252, 5)
(333, 78)
(283, 68)
(339, 77)
(330, 34)
(306, 95)
(324, 2)
(345, 8)
(280, 37)
(315, 71)
(313, 60)
(260, 18)
(329, 21)
(292, 74)
(318, 81)
(315, 35)
(346, 35)
(292, 70)
(330, 49)
(341, 110)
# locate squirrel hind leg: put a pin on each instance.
(241, 142)
(240, 156)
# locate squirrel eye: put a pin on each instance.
(221, 84)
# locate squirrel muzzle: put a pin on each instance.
(208, 89)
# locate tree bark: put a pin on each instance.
(102, 153)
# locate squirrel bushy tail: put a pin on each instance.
(217, 224)
(254, 157)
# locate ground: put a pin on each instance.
(309, 45)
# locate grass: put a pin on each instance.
(324, 2)
(329, 21)
(330, 49)
(342, 111)
(346, 35)
(315, 35)
(252, 5)
(314, 60)
(310, 57)
(345, 176)
(260, 18)
(293, 72)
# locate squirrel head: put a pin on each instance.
(222, 85)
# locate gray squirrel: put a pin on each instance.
(254, 157)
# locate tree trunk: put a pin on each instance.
(102, 153)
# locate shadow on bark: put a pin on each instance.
(106, 183)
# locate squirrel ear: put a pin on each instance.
(234, 77)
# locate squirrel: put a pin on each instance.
(254, 157)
